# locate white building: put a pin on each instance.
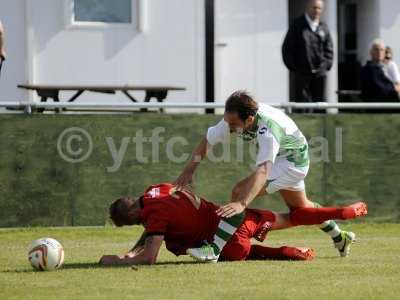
(163, 42)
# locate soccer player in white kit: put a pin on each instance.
(281, 166)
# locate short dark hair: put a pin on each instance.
(242, 103)
(119, 210)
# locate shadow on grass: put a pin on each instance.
(97, 266)
(177, 263)
(20, 271)
(83, 266)
(64, 267)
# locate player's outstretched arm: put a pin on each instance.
(146, 257)
(248, 190)
(198, 154)
(139, 246)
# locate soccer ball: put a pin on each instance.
(46, 254)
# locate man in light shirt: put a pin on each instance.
(307, 52)
(392, 68)
(281, 166)
(2, 48)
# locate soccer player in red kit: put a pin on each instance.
(183, 220)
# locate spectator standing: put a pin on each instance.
(307, 52)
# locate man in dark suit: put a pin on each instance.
(308, 53)
(375, 83)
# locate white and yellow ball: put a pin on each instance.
(46, 254)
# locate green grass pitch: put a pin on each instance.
(371, 272)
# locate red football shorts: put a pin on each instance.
(256, 224)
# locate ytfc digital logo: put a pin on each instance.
(75, 145)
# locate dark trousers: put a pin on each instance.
(308, 89)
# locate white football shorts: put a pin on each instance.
(286, 176)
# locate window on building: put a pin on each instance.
(348, 35)
(106, 14)
(103, 11)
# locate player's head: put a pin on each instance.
(125, 211)
(377, 50)
(240, 111)
(315, 9)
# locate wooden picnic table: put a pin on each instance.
(53, 91)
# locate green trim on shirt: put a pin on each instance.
(295, 149)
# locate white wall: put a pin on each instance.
(390, 25)
(12, 14)
(379, 19)
(272, 80)
(253, 32)
(330, 17)
(170, 52)
(368, 25)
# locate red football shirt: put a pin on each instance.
(182, 218)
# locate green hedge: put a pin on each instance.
(38, 187)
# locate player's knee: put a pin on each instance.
(295, 216)
(296, 200)
(236, 251)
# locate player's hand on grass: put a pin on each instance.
(230, 210)
(129, 255)
(109, 260)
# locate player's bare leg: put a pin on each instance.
(295, 199)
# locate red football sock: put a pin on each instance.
(263, 252)
(314, 216)
(258, 252)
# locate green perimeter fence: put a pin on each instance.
(43, 183)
